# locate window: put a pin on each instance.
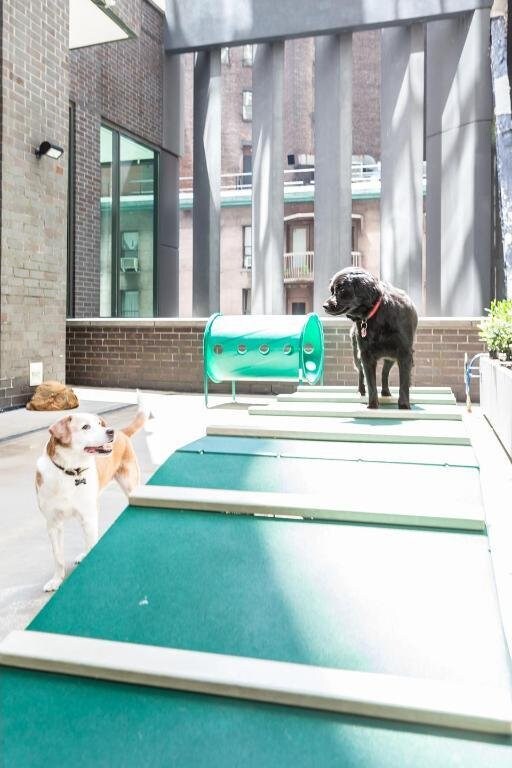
(247, 105)
(225, 56)
(246, 301)
(245, 180)
(354, 236)
(130, 303)
(70, 297)
(248, 55)
(127, 226)
(247, 247)
(298, 307)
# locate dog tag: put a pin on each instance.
(363, 329)
(80, 480)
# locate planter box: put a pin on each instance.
(496, 399)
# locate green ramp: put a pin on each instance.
(346, 430)
(450, 497)
(437, 455)
(354, 397)
(360, 411)
(48, 717)
(353, 388)
(356, 597)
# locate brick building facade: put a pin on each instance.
(121, 84)
(299, 79)
(299, 151)
(35, 103)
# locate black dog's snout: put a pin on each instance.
(110, 434)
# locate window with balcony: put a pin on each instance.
(247, 106)
(247, 247)
(298, 260)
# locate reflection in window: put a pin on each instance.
(246, 301)
(106, 144)
(248, 56)
(128, 183)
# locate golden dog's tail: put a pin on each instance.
(143, 414)
(137, 423)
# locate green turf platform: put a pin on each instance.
(389, 600)
(359, 411)
(346, 430)
(437, 455)
(353, 388)
(354, 397)
(447, 497)
(52, 719)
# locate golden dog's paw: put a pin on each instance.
(53, 584)
(79, 558)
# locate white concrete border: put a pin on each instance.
(356, 411)
(331, 429)
(427, 702)
(300, 505)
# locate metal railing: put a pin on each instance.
(293, 177)
(298, 266)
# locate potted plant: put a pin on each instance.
(496, 330)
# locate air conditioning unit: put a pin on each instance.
(129, 263)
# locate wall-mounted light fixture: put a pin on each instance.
(46, 148)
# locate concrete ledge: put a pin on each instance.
(427, 702)
(200, 322)
(209, 23)
(496, 389)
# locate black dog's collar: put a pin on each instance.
(73, 473)
(373, 311)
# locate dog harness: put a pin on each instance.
(73, 472)
(373, 311)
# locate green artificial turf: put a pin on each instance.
(452, 455)
(391, 600)
(57, 720)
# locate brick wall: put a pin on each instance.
(121, 83)
(298, 101)
(35, 77)
(167, 354)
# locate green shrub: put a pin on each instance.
(496, 328)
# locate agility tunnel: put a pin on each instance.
(261, 347)
(278, 599)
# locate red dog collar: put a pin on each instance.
(373, 312)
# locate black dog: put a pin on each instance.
(385, 323)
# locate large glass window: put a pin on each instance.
(128, 184)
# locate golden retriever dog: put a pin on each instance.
(81, 457)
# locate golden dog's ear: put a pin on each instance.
(61, 430)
